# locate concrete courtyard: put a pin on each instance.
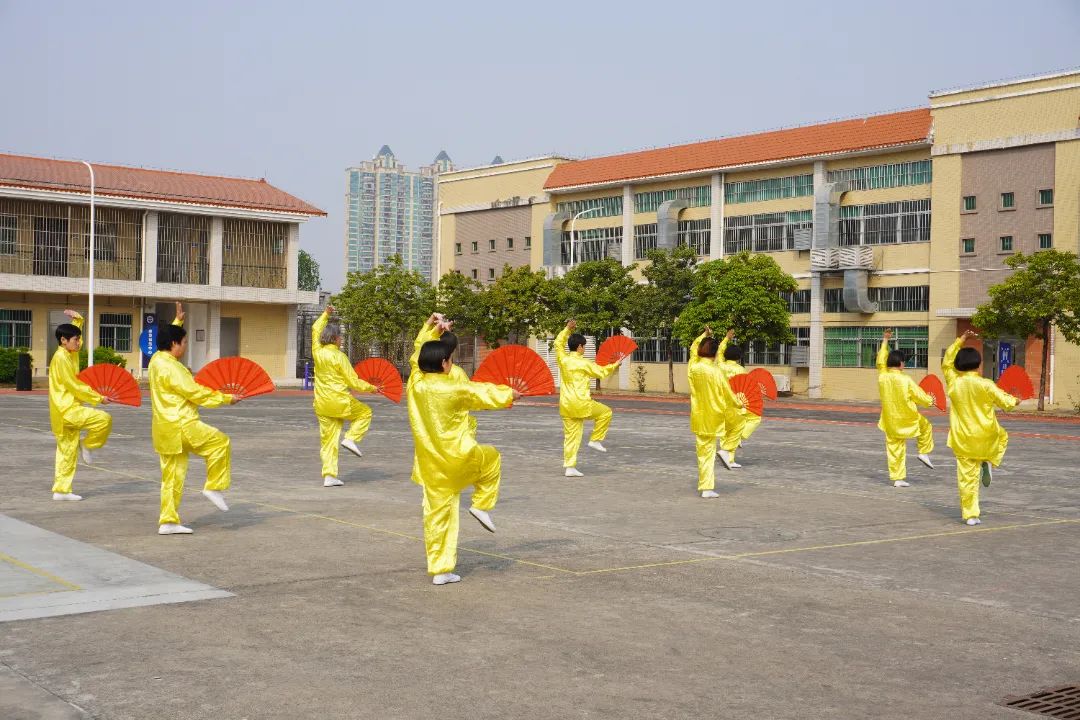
(810, 589)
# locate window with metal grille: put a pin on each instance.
(906, 221)
(1008, 201)
(769, 189)
(654, 350)
(253, 254)
(875, 177)
(1046, 241)
(768, 232)
(699, 196)
(969, 203)
(1006, 243)
(183, 247)
(105, 242)
(834, 300)
(696, 234)
(759, 352)
(9, 230)
(605, 206)
(798, 301)
(856, 347)
(906, 298)
(1046, 198)
(15, 327)
(591, 244)
(114, 331)
(644, 240)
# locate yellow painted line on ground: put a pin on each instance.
(39, 572)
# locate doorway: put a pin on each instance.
(230, 337)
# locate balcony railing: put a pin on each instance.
(253, 276)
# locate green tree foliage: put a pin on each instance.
(654, 306)
(1044, 292)
(741, 292)
(461, 299)
(515, 307)
(102, 356)
(307, 272)
(598, 294)
(383, 304)
(9, 363)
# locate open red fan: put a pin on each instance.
(235, 376)
(519, 367)
(931, 384)
(381, 373)
(113, 382)
(748, 387)
(1016, 382)
(765, 381)
(614, 349)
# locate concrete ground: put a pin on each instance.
(811, 588)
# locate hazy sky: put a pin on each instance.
(297, 92)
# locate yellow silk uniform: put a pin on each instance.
(900, 417)
(334, 378)
(740, 423)
(710, 397)
(176, 431)
(68, 417)
(448, 458)
(974, 433)
(575, 400)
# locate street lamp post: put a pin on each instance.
(573, 232)
(90, 325)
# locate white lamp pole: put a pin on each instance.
(572, 231)
(90, 326)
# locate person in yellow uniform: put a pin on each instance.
(68, 417)
(575, 399)
(900, 417)
(177, 431)
(710, 397)
(447, 456)
(740, 423)
(975, 436)
(334, 378)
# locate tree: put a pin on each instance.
(1044, 292)
(596, 293)
(308, 272)
(384, 304)
(742, 292)
(460, 299)
(515, 306)
(654, 306)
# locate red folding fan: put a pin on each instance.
(235, 376)
(765, 381)
(113, 382)
(519, 367)
(1016, 382)
(931, 384)
(748, 387)
(614, 349)
(381, 373)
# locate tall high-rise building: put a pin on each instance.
(390, 211)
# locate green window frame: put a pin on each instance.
(769, 189)
(856, 347)
(970, 203)
(697, 196)
(1046, 197)
(16, 328)
(1008, 200)
(1046, 241)
(1006, 243)
(114, 331)
(967, 246)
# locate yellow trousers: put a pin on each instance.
(706, 462)
(206, 442)
(416, 477)
(359, 415)
(896, 449)
(968, 473)
(96, 423)
(573, 428)
(441, 511)
(739, 426)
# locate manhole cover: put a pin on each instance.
(1062, 702)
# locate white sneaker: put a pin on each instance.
(87, 456)
(66, 496)
(597, 446)
(709, 494)
(925, 460)
(351, 447)
(572, 472)
(483, 517)
(734, 466)
(725, 457)
(173, 529)
(331, 481)
(445, 578)
(217, 498)
(901, 483)
(974, 521)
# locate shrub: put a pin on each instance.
(9, 363)
(640, 378)
(103, 356)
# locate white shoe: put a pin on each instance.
(87, 456)
(445, 578)
(66, 496)
(725, 457)
(925, 460)
(573, 472)
(709, 494)
(331, 481)
(351, 447)
(734, 466)
(597, 446)
(217, 498)
(173, 529)
(901, 483)
(483, 517)
(974, 521)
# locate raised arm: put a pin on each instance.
(728, 336)
(561, 339)
(883, 352)
(948, 363)
(318, 326)
(430, 331)
(696, 344)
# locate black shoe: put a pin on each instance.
(986, 474)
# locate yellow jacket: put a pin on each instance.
(575, 372)
(900, 398)
(428, 333)
(710, 394)
(66, 390)
(175, 395)
(974, 431)
(447, 454)
(334, 375)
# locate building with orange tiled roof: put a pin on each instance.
(225, 247)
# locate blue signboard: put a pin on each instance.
(148, 338)
(1005, 356)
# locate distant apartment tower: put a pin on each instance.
(390, 211)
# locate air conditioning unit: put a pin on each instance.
(783, 383)
(804, 238)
